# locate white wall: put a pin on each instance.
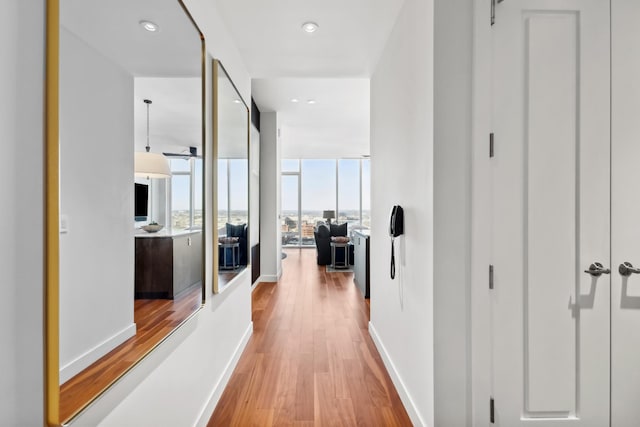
(421, 321)
(452, 211)
(96, 197)
(21, 221)
(175, 384)
(9, 214)
(402, 173)
(271, 237)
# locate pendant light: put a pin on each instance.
(148, 164)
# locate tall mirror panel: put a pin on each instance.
(130, 156)
(231, 143)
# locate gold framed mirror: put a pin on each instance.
(231, 152)
(124, 80)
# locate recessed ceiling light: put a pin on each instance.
(310, 27)
(237, 101)
(294, 100)
(311, 101)
(149, 26)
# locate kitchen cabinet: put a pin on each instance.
(167, 263)
(361, 261)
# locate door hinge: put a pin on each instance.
(492, 413)
(490, 276)
(491, 139)
(493, 10)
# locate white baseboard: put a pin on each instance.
(405, 397)
(83, 361)
(216, 393)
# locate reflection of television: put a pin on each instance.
(141, 202)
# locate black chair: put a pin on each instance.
(323, 234)
(239, 231)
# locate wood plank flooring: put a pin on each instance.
(310, 360)
(155, 319)
(226, 276)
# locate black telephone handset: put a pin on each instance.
(396, 228)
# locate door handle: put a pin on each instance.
(596, 270)
(627, 269)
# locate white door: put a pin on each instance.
(551, 200)
(625, 211)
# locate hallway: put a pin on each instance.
(310, 361)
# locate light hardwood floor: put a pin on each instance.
(310, 360)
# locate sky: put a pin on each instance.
(239, 180)
(318, 181)
(180, 185)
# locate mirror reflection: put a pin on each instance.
(232, 143)
(131, 193)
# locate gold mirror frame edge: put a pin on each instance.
(52, 220)
(214, 205)
(217, 64)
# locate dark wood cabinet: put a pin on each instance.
(361, 261)
(167, 264)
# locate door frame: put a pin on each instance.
(480, 358)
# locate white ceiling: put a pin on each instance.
(112, 28)
(166, 64)
(348, 43)
(174, 115)
(332, 66)
(337, 125)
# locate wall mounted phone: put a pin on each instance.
(396, 228)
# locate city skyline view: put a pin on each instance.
(296, 233)
(311, 186)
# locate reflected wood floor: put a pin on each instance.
(310, 360)
(155, 319)
(226, 276)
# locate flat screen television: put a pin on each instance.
(141, 202)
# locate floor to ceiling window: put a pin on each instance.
(365, 194)
(349, 195)
(186, 193)
(233, 203)
(318, 193)
(310, 187)
(290, 202)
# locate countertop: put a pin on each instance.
(165, 232)
(364, 233)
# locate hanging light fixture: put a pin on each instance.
(148, 164)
